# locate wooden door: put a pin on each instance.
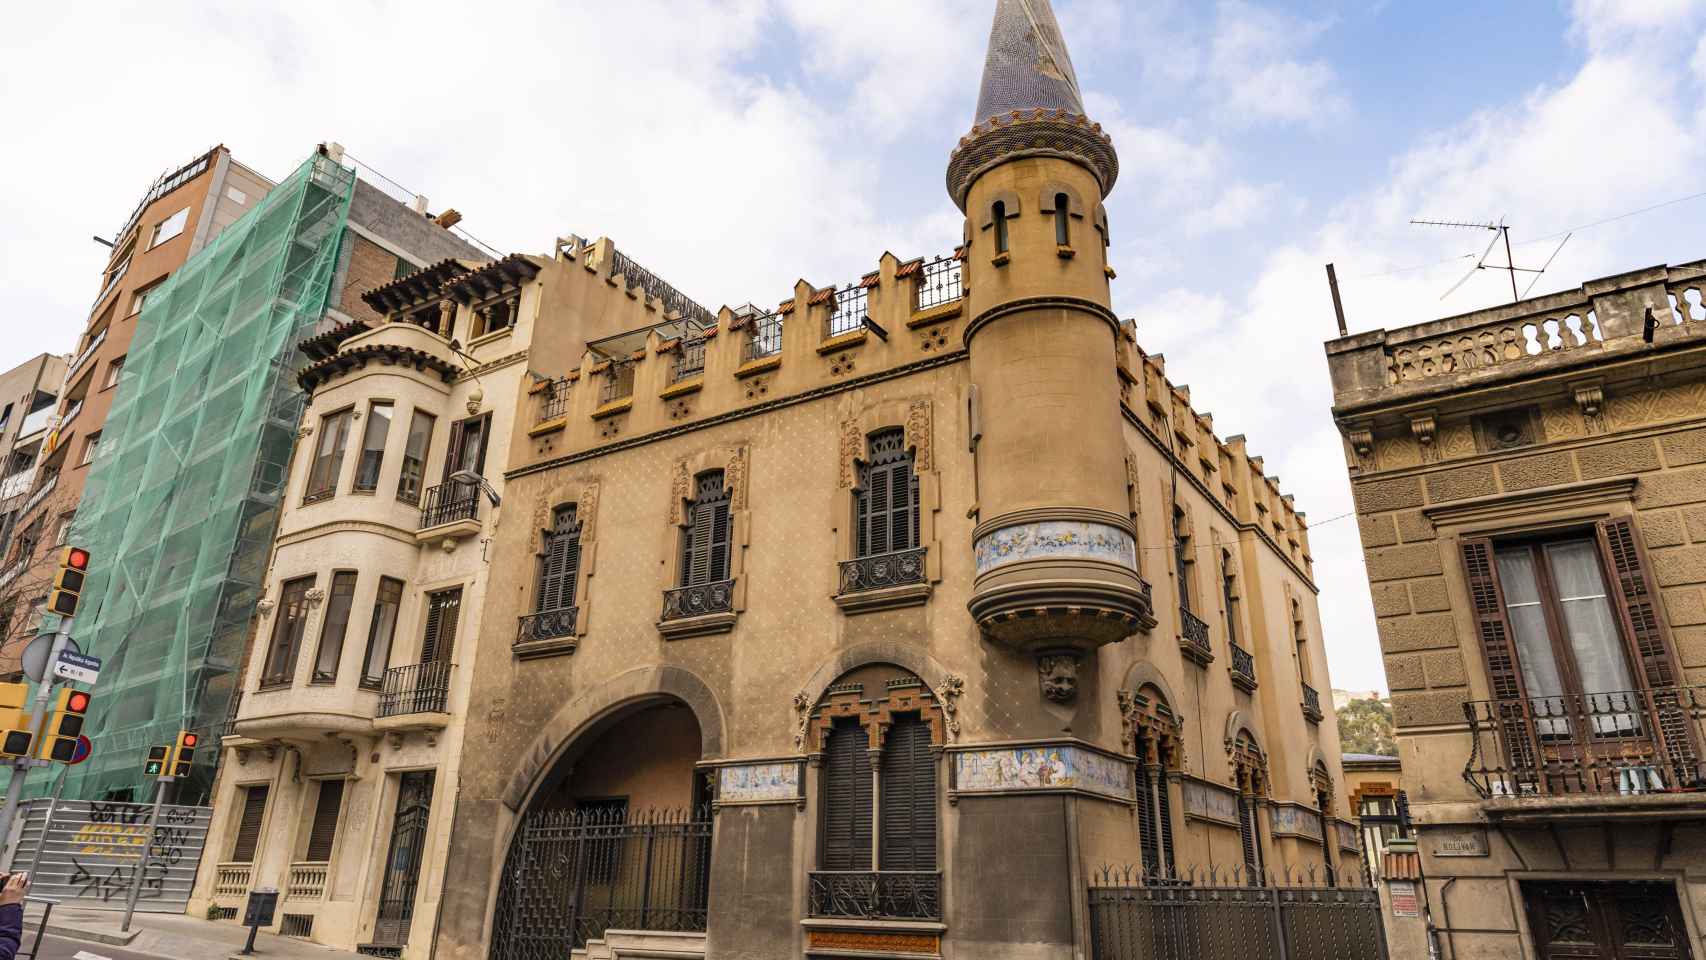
(1606, 921)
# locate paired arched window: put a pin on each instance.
(878, 809)
(705, 542)
(1156, 745)
(560, 561)
(886, 499)
(1249, 769)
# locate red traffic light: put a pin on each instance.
(77, 558)
(78, 702)
(190, 739)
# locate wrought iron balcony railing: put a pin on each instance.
(1617, 742)
(882, 570)
(939, 282)
(1243, 667)
(851, 306)
(876, 894)
(618, 382)
(1193, 638)
(449, 502)
(417, 688)
(689, 360)
(699, 600)
(554, 400)
(764, 338)
(547, 625)
(1312, 704)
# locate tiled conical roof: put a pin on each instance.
(1029, 104)
(1027, 65)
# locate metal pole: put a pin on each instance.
(1509, 263)
(21, 766)
(142, 864)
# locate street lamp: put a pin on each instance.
(470, 477)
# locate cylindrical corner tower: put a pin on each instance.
(1055, 549)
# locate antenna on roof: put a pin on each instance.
(1500, 231)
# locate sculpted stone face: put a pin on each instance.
(1058, 675)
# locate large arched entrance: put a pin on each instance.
(616, 835)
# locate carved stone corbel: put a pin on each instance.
(803, 719)
(1361, 437)
(1424, 427)
(1590, 400)
(948, 695)
(1128, 719)
(1057, 675)
(397, 738)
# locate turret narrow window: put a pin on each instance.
(998, 213)
(705, 543)
(1062, 214)
(886, 500)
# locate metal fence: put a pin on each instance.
(1217, 915)
(84, 853)
(573, 874)
(416, 688)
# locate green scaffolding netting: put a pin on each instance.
(182, 499)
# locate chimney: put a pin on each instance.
(449, 218)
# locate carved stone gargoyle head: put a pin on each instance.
(1058, 675)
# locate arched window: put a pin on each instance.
(705, 543)
(1249, 767)
(886, 499)
(559, 566)
(877, 730)
(1062, 214)
(998, 213)
(1155, 741)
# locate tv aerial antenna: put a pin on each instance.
(1500, 231)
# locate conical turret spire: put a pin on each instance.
(1029, 104)
(1027, 65)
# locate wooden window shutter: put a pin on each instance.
(453, 452)
(249, 827)
(439, 641)
(1148, 838)
(1247, 834)
(485, 428)
(1165, 795)
(1638, 601)
(847, 799)
(325, 828)
(878, 537)
(1504, 677)
(719, 546)
(560, 566)
(705, 543)
(908, 838)
(862, 516)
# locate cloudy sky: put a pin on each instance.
(736, 147)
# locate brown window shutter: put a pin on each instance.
(325, 828)
(719, 566)
(908, 840)
(453, 452)
(249, 827)
(1164, 795)
(439, 641)
(1638, 600)
(847, 799)
(1504, 678)
(1148, 838)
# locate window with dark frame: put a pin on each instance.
(249, 824)
(333, 627)
(886, 499)
(438, 640)
(1229, 594)
(901, 824)
(559, 561)
(381, 632)
(1182, 558)
(998, 214)
(705, 541)
(468, 440)
(323, 831)
(328, 455)
(1062, 214)
(409, 481)
(845, 834)
(289, 621)
(373, 436)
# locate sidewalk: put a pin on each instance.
(175, 936)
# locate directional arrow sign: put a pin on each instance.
(77, 666)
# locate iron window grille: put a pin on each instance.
(939, 282)
(689, 360)
(416, 688)
(449, 502)
(618, 382)
(554, 399)
(764, 337)
(1243, 667)
(1312, 704)
(851, 307)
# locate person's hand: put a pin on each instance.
(16, 889)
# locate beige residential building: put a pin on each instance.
(1532, 501)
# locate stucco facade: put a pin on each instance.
(1528, 485)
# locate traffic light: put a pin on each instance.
(68, 583)
(156, 765)
(15, 728)
(183, 753)
(64, 725)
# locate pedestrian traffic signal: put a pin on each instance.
(156, 765)
(68, 582)
(16, 734)
(183, 753)
(64, 726)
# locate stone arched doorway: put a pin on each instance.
(616, 833)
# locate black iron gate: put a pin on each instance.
(573, 874)
(1227, 919)
(402, 876)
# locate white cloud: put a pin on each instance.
(1255, 62)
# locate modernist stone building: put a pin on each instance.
(1532, 499)
(875, 622)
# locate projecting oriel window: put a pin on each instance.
(169, 227)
